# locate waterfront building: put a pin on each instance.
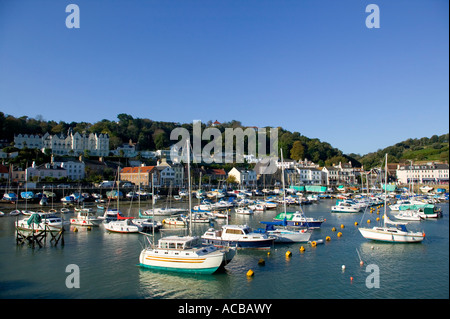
(243, 176)
(138, 175)
(75, 169)
(423, 173)
(44, 170)
(331, 175)
(309, 175)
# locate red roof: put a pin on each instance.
(217, 122)
(143, 169)
(218, 171)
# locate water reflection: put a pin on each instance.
(172, 285)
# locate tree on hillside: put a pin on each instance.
(297, 151)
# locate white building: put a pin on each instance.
(28, 140)
(72, 144)
(127, 149)
(242, 176)
(174, 174)
(423, 173)
(287, 164)
(76, 143)
(309, 175)
(45, 170)
(74, 169)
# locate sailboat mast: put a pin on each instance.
(188, 144)
(153, 209)
(282, 180)
(385, 191)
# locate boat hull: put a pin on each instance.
(289, 236)
(181, 263)
(384, 235)
(240, 244)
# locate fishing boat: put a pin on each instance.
(394, 232)
(240, 236)
(185, 253)
(85, 217)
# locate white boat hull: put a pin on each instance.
(388, 234)
(182, 261)
(122, 226)
(287, 236)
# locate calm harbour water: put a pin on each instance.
(108, 265)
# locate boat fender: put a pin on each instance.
(302, 249)
(333, 229)
(356, 223)
(288, 254)
(313, 244)
(342, 226)
(261, 262)
(328, 238)
(339, 234)
(75, 229)
(368, 221)
(250, 273)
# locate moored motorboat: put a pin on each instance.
(85, 218)
(299, 219)
(240, 236)
(184, 254)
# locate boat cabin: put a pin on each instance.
(178, 242)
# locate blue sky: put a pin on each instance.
(307, 66)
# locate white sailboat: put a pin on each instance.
(184, 253)
(396, 233)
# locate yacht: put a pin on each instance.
(240, 236)
(184, 254)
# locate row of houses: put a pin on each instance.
(166, 173)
